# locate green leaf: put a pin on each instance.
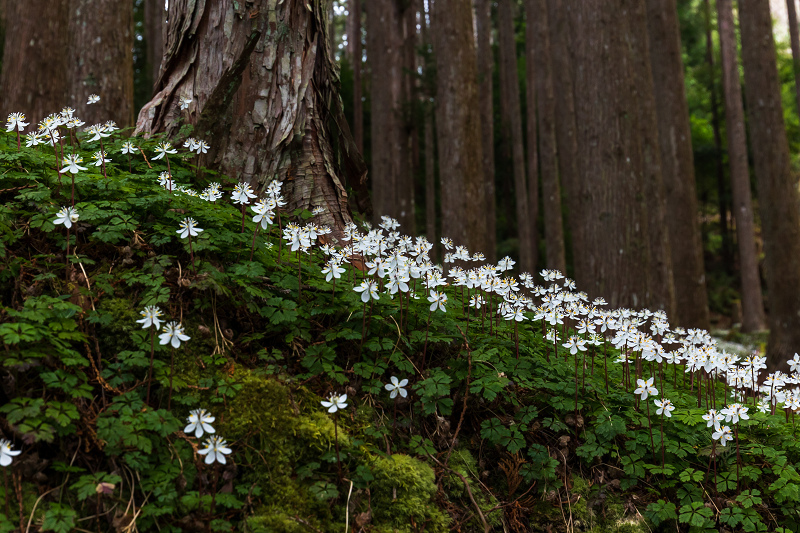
(59, 518)
(661, 511)
(695, 514)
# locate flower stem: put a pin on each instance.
(336, 442)
(425, 351)
(171, 373)
(152, 355)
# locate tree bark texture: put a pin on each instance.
(458, 126)
(541, 75)
(512, 134)
(430, 186)
(559, 33)
(35, 59)
(264, 89)
(390, 158)
(355, 51)
(483, 18)
(752, 302)
(155, 17)
(677, 165)
(794, 38)
(777, 187)
(623, 262)
(101, 60)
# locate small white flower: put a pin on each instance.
(396, 387)
(665, 407)
(199, 421)
(150, 317)
(242, 193)
(724, 435)
(67, 216)
(72, 164)
(173, 334)
(335, 403)
(6, 453)
(93, 99)
(215, 450)
(163, 149)
(184, 102)
(189, 227)
(367, 289)
(646, 388)
(16, 121)
(318, 211)
(438, 300)
(100, 158)
(98, 132)
(128, 148)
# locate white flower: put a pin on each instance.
(438, 299)
(100, 158)
(173, 334)
(189, 227)
(163, 149)
(665, 407)
(128, 148)
(67, 216)
(184, 102)
(71, 164)
(576, 344)
(16, 121)
(33, 139)
(216, 449)
(318, 210)
(734, 412)
(332, 270)
(367, 289)
(98, 131)
(93, 99)
(199, 421)
(723, 434)
(335, 403)
(713, 418)
(6, 453)
(150, 317)
(242, 193)
(396, 387)
(646, 388)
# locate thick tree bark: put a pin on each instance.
(35, 58)
(795, 42)
(355, 52)
(390, 159)
(677, 164)
(458, 126)
(483, 10)
(777, 188)
(154, 22)
(101, 60)
(532, 127)
(512, 133)
(265, 97)
(623, 262)
(541, 74)
(566, 137)
(430, 185)
(752, 301)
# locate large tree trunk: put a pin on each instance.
(777, 188)
(565, 127)
(265, 97)
(512, 133)
(458, 125)
(752, 302)
(677, 164)
(483, 9)
(354, 49)
(35, 58)
(390, 159)
(795, 41)
(154, 21)
(624, 263)
(541, 74)
(101, 60)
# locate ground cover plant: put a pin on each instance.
(176, 360)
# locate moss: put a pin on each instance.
(412, 481)
(463, 462)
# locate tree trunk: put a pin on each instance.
(777, 187)
(623, 262)
(154, 21)
(565, 127)
(430, 185)
(354, 46)
(541, 74)
(677, 164)
(390, 169)
(512, 132)
(795, 40)
(483, 9)
(101, 60)
(458, 126)
(265, 96)
(35, 58)
(752, 302)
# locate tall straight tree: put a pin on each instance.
(512, 133)
(154, 22)
(794, 38)
(101, 60)
(483, 19)
(677, 164)
(35, 58)
(622, 261)
(458, 125)
(265, 99)
(752, 302)
(777, 191)
(541, 104)
(391, 194)
(355, 52)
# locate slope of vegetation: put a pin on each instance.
(501, 428)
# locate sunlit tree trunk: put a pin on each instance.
(777, 187)
(752, 301)
(483, 10)
(677, 164)
(458, 125)
(265, 97)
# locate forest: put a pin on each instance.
(402, 266)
